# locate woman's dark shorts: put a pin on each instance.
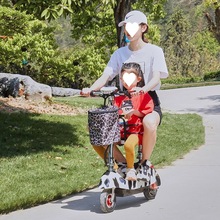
(156, 101)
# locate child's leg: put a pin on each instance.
(100, 151)
(129, 146)
(117, 153)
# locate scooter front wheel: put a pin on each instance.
(150, 193)
(107, 200)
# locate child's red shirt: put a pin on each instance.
(143, 103)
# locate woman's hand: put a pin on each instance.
(85, 92)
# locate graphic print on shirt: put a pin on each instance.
(126, 106)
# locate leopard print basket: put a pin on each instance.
(104, 126)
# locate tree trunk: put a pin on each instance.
(13, 2)
(217, 21)
(120, 10)
(214, 24)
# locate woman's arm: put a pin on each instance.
(153, 82)
(98, 84)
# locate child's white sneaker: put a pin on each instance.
(131, 174)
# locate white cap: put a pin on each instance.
(134, 17)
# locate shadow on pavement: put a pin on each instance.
(209, 109)
(212, 97)
(89, 201)
(214, 110)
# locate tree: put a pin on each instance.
(189, 53)
(177, 44)
(212, 15)
(49, 10)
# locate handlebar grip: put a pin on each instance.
(101, 93)
(95, 93)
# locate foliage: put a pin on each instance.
(190, 50)
(29, 48)
(50, 10)
(211, 11)
(88, 64)
(181, 80)
(154, 8)
(96, 24)
(212, 75)
(25, 39)
(208, 51)
(189, 53)
(95, 30)
(62, 32)
(6, 3)
(178, 49)
(47, 9)
(94, 27)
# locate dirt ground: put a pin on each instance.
(20, 104)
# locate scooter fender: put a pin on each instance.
(113, 179)
(147, 173)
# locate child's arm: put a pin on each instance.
(134, 112)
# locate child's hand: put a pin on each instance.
(133, 112)
(129, 114)
(137, 91)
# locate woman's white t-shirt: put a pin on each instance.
(150, 58)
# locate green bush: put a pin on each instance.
(212, 75)
(29, 48)
(181, 80)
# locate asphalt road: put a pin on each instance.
(190, 187)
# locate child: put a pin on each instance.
(134, 108)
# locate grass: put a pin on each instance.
(184, 85)
(177, 135)
(46, 157)
(81, 102)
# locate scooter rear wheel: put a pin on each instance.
(150, 193)
(107, 201)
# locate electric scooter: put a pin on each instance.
(113, 181)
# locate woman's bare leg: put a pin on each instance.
(150, 123)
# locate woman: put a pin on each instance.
(151, 59)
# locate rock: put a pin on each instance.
(57, 91)
(9, 87)
(31, 89)
(18, 85)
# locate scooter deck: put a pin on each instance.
(112, 179)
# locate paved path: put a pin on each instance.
(190, 187)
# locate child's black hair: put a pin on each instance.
(137, 67)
